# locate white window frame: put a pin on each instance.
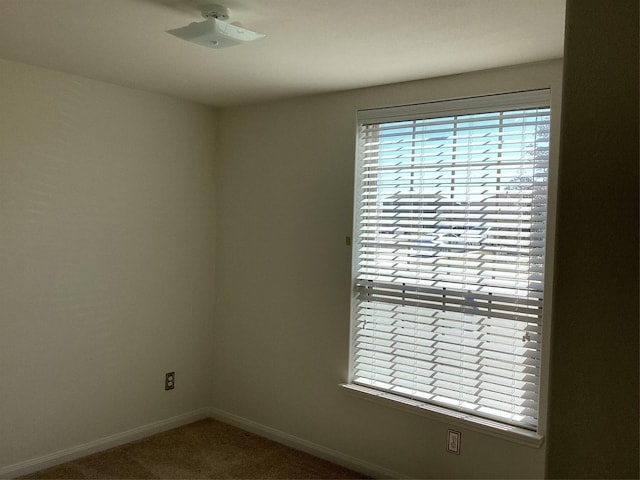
(481, 104)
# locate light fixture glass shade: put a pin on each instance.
(215, 33)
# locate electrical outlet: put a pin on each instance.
(453, 442)
(169, 380)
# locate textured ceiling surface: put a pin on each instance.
(311, 46)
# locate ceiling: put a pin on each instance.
(312, 46)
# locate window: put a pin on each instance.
(449, 254)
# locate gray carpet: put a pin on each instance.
(204, 449)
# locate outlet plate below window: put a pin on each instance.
(453, 442)
(169, 380)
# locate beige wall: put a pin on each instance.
(107, 199)
(595, 377)
(283, 273)
(106, 266)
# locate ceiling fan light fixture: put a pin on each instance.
(215, 31)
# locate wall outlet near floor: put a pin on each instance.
(169, 380)
(453, 442)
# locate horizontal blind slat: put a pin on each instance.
(449, 259)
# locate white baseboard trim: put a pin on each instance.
(72, 453)
(94, 446)
(320, 451)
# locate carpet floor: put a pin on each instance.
(204, 449)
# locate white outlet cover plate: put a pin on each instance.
(453, 442)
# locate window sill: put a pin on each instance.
(488, 427)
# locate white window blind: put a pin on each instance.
(450, 224)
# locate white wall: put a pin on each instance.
(107, 199)
(285, 204)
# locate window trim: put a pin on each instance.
(470, 105)
(450, 417)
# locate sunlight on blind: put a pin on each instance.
(449, 258)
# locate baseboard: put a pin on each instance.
(72, 453)
(320, 451)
